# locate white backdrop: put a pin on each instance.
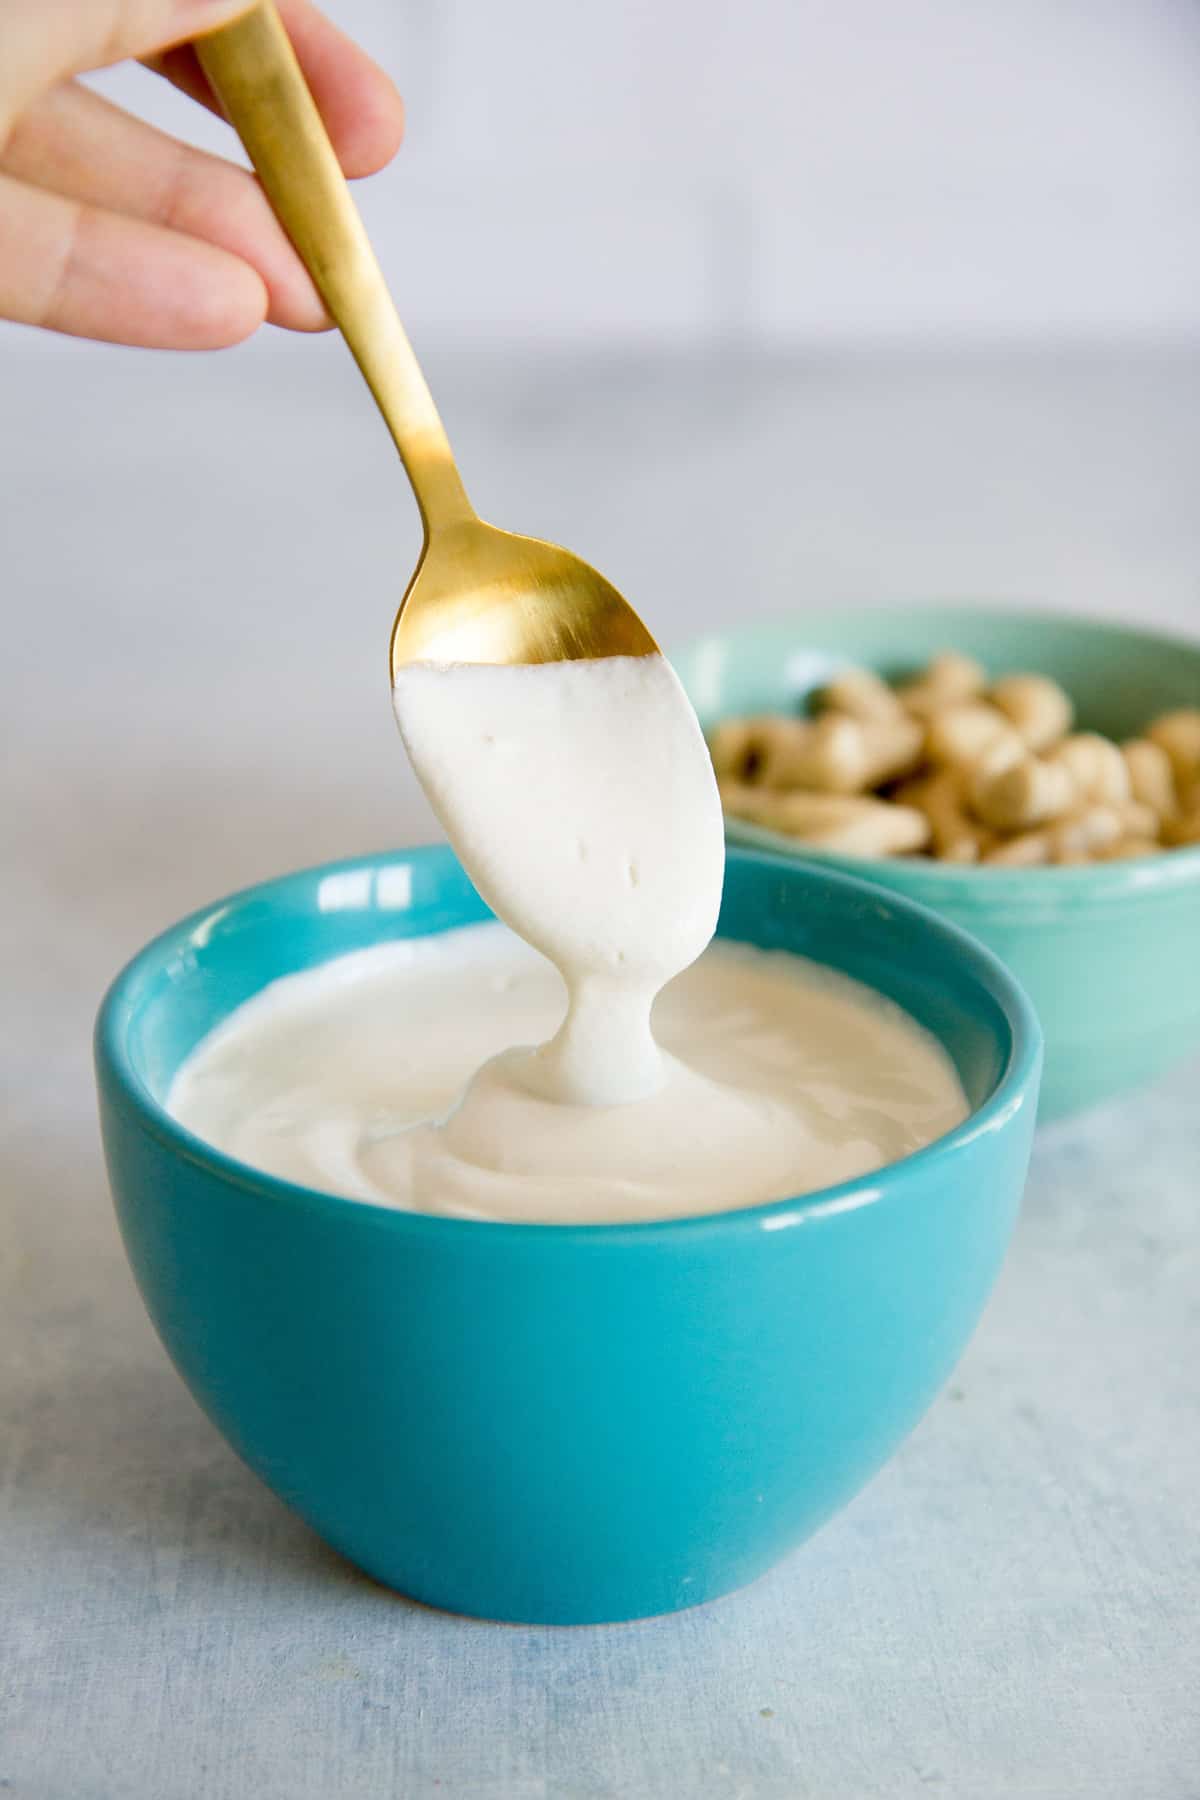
(783, 170)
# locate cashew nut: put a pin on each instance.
(955, 836)
(735, 746)
(1138, 820)
(962, 733)
(1183, 830)
(1027, 851)
(1151, 777)
(949, 678)
(1085, 834)
(1023, 794)
(840, 755)
(845, 822)
(1126, 847)
(1099, 770)
(862, 695)
(1075, 839)
(1037, 706)
(1178, 733)
(759, 750)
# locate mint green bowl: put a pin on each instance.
(1109, 953)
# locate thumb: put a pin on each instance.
(47, 42)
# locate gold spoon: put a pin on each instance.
(479, 595)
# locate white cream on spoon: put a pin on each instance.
(581, 800)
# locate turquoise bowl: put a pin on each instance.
(1108, 953)
(562, 1424)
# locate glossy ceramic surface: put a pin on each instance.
(562, 1423)
(1109, 954)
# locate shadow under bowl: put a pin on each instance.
(1109, 953)
(562, 1423)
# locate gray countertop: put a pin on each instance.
(201, 559)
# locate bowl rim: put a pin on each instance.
(1160, 873)
(1015, 1088)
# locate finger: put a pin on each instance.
(95, 274)
(363, 113)
(67, 38)
(82, 147)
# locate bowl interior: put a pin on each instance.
(185, 983)
(188, 981)
(1119, 677)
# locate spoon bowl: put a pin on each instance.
(479, 595)
(482, 595)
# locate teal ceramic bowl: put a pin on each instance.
(552, 1423)
(1108, 953)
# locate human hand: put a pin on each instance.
(110, 228)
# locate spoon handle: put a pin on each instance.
(253, 70)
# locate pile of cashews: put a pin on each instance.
(951, 766)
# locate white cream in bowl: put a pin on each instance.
(386, 1075)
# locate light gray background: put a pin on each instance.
(691, 170)
(201, 557)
